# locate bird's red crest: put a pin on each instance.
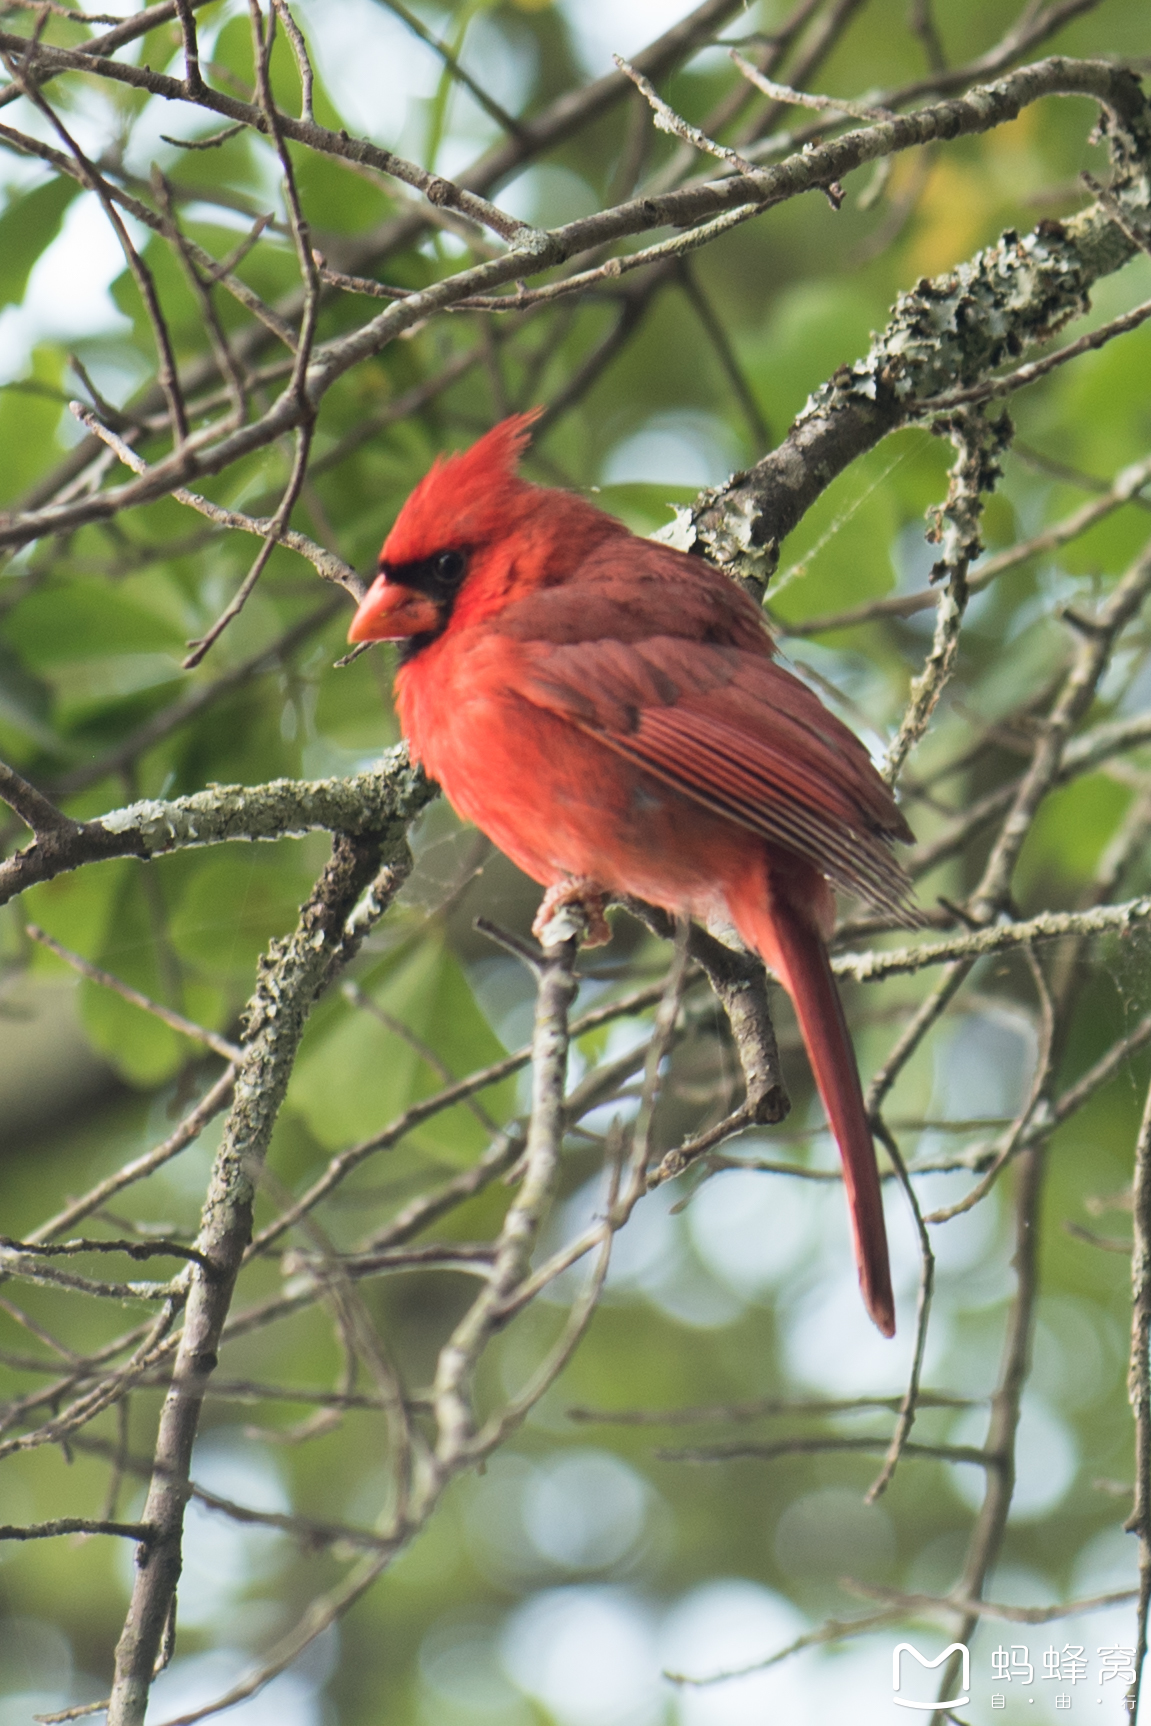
(464, 498)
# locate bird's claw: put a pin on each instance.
(573, 908)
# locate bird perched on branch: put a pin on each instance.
(609, 712)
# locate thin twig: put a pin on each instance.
(326, 563)
(186, 1027)
(956, 532)
(802, 98)
(1046, 926)
(1127, 488)
(993, 1609)
(460, 1355)
(726, 355)
(133, 1249)
(427, 1210)
(992, 388)
(763, 1407)
(667, 120)
(26, 1267)
(139, 1168)
(909, 1407)
(452, 64)
(990, 1527)
(193, 82)
(137, 1531)
(34, 809)
(716, 206)
(262, 42)
(921, 20)
(275, 534)
(300, 49)
(820, 1444)
(1091, 660)
(221, 346)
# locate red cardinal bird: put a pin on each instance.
(609, 712)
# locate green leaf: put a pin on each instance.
(25, 700)
(79, 620)
(356, 1075)
(139, 1045)
(29, 415)
(27, 228)
(230, 902)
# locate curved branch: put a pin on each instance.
(394, 792)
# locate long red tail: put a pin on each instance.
(784, 934)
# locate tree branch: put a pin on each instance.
(293, 974)
(370, 802)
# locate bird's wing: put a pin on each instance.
(738, 735)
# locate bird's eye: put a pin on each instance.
(450, 565)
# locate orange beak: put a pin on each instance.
(389, 611)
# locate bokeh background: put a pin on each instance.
(561, 1583)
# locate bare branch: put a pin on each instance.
(460, 1355)
(125, 755)
(667, 120)
(994, 1609)
(33, 808)
(952, 343)
(909, 1407)
(270, 528)
(784, 94)
(193, 82)
(73, 1525)
(275, 533)
(219, 1045)
(1127, 488)
(299, 48)
(24, 75)
(1047, 926)
(1097, 638)
(489, 105)
(139, 1168)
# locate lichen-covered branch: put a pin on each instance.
(946, 333)
(956, 532)
(292, 974)
(1122, 919)
(368, 802)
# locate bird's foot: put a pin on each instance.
(573, 907)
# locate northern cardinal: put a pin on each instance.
(609, 712)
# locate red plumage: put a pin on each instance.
(609, 712)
